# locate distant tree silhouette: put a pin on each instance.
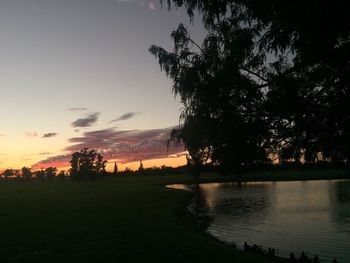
(270, 77)
(26, 172)
(86, 164)
(115, 170)
(141, 166)
(50, 172)
(40, 174)
(61, 175)
(8, 173)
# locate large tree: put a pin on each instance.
(269, 78)
(86, 164)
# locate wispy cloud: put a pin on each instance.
(58, 161)
(44, 153)
(151, 5)
(87, 121)
(77, 109)
(125, 116)
(31, 134)
(125, 146)
(177, 155)
(50, 134)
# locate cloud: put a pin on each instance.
(127, 146)
(124, 146)
(31, 134)
(125, 116)
(58, 161)
(50, 134)
(44, 153)
(87, 121)
(178, 155)
(77, 109)
(151, 6)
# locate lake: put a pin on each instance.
(310, 216)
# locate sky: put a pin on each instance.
(77, 73)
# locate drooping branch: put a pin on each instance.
(255, 74)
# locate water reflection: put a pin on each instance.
(312, 216)
(340, 211)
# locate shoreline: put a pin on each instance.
(191, 221)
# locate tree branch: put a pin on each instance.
(255, 74)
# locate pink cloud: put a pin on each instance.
(151, 6)
(31, 134)
(58, 161)
(125, 146)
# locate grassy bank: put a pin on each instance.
(131, 219)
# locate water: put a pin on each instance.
(310, 216)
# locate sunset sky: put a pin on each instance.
(77, 73)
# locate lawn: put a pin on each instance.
(130, 219)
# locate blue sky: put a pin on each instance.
(64, 60)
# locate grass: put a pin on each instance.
(130, 219)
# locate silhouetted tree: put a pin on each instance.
(86, 164)
(50, 172)
(269, 77)
(8, 173)
(141, 166)
(40, 174)
(115, 171)
(26, 172)
(222, 119)
(61, 175)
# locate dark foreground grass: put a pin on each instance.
(131, 219)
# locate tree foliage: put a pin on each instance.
(9, 173)
(50, 172)
(26, 172)
(40, 174)
(270, 78)
(86, 164)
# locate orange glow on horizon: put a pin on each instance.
(169, 161)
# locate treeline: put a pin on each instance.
(87, 165)
(52, 173)
(27, 173)
(90, 165)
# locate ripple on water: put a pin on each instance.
(311, 216)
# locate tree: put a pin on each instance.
(50, 172)
(26, 172)
(40, 174)
(86, 164)
(221, 117)
(115, 171)
(141, 166)
(270, 78)
(8, 173)
(61, 175)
